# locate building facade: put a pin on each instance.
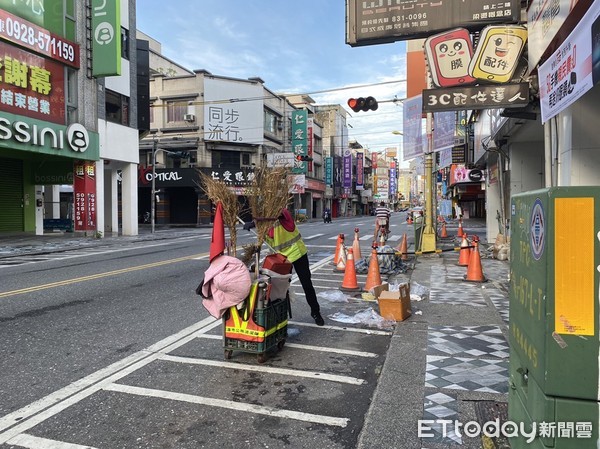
(68, 118)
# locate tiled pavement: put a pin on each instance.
(463, 361)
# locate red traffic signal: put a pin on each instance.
(363, 104)
(301, 158)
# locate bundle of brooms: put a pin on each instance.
(268, 196)
(217, 190)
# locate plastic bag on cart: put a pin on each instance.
(280, 283)
(226, 283)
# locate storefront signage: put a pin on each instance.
(475, 97)
(31, 85)
(379, 21)
(329, 171)
(300, 139)
(574, 68)
(106, 37)
(40, 12)
(360, 181)
(26, 134)
(84, 191)
(459, 174)
(26, 34)
(347, 184)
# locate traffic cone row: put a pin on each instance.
(402, 248)
(460, 231)
(338, 247)
(373, 275)
(350, 283)
(474, 270)
(443, 232)
(356, 245)
(465, 252)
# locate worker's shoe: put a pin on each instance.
(319, 321)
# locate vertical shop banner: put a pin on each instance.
(574, 68)
(393, 184)
(360, 172)
(444, 127)
(413, 131)
(299, 139)
(106, 37)
(329, 171)
(347, 184)
(310, 144)
(84, 192)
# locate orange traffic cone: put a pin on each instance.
(474, 271)
(349, 283)
(444, 232)
(404, 248)
(373, 275)
(465, 252)
(341, 265)
(356, 245)
(340, 242)
(460, 231)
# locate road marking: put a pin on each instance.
(309, 347)
(366, 237)
(339, 328)
(96, 276)
(266, 369)
(35, 413)
(231, 405)
(312, 236)
(32, 442)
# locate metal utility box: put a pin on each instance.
(554, 308)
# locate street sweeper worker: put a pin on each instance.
(285, 238)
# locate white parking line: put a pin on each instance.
(309, 347)
(265, 369)
(33, 414)
(32, 442)
(231, 405)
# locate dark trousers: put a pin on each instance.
(303, 271)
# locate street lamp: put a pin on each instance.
(153, 191)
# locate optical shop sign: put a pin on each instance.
(574, 68)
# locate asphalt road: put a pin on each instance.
(109, 347)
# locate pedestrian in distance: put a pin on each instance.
(382, 220)
(285, 238)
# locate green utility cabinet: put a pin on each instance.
(554, 308)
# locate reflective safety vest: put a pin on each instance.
(289, 244)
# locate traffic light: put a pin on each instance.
(301, 158)
(363, 104)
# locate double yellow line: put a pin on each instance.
(96, 276)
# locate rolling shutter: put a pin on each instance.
(11, 195)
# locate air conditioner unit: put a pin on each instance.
(189, 117)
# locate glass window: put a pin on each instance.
(117, 108)
(124, 43)
(176, 110)
(270, 122)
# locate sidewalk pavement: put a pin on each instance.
(448, 361)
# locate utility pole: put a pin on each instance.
(155, 150)
(428, 240)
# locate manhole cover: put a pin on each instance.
(490, 411)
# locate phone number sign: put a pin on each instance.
(21, 32)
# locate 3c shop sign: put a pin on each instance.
(26, 134)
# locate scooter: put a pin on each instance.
(326, 217)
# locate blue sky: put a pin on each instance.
(295, 47)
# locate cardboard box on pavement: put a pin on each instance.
(394, 305)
